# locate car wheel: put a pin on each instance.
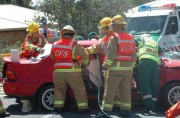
(45, 98)
(171, 94)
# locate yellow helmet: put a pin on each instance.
(118, 19)
(32, 27)
(67, 29)
(105, 22)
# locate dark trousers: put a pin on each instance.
(149, 78)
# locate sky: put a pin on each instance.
(35, 1)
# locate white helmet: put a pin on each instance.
(67, 29)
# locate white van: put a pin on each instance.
(161, 22)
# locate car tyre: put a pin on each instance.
(45, 97)
(171, 94)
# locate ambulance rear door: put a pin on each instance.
(170, 37)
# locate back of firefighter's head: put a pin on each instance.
(92, 35)
(118, 22)
(104, 25)
(68, 31)
(33, 29)
(79, 38)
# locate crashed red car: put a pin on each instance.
(32, 79)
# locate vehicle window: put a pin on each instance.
(149, 24)
(172, 27)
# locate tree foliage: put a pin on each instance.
(84, 15)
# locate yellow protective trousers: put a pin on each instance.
(61, 81)
(120, 84)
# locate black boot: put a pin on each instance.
(148, 112)
(84, 111)
(116, 109)
(5, 114)
(59, 110)
(125, 114)
(103, 114)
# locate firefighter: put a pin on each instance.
(126, 61)
(148, 51)
(34, 42)
(67, 71)
(50, 34)
(101, 47)
(118, 63)
(3, 113)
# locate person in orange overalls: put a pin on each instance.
(33, 43)
(67, 70)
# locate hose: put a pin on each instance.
(104, 113)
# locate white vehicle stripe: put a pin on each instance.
(176, 48)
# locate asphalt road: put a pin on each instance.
(15, 110)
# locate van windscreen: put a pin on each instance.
(148, 24)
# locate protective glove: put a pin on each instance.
(40, 50)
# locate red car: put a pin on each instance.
(32, 79)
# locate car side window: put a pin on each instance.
(172, 27)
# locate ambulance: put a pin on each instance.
(161, 22)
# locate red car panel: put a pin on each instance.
(33, 78)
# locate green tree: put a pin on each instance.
(140, 2)
(83, 15)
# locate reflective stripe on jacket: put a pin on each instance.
(148, 48)
(118, 67)
(126, 46)
(62, 51)
(104, 44)
(50, 34)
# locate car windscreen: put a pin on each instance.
(147, 24)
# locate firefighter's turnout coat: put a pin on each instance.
(30, 44)
(119, 66)
(67, 71)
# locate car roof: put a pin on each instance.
(87, 43)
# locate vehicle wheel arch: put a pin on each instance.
(70, 102)
(39, 92)
(41, 86)
(164, 92)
